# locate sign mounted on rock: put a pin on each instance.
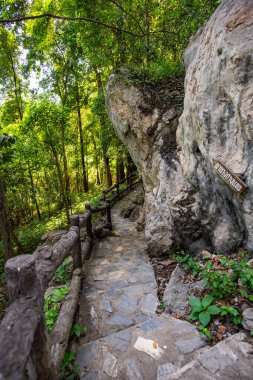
(231, 179)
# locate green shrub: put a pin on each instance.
(68, 368)
(64, 272)
(202, 310)
(52, 306)
(189, 263)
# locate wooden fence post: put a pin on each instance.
(117, 190)
(76, 250)
(103, 195)
(21, 277)
(89, 232)
(89, 222)
(24, 282)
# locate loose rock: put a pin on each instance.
(248, 318)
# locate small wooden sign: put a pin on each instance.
(234, 182)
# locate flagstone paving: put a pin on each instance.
(126, 339)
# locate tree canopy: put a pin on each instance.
(55, 59)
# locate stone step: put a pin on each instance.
(148, 351)
(230, 359)
(118, 292)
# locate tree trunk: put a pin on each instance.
(65, 164)
(21, 249)
(107, 171)
(62, 189)
(80, 128)
(96, 160)
(34, 198)
(17, 87)
(120, 173)
(147, 20)
(77, 168)
(4, 223)
(103, 142)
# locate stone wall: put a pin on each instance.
(186, 202)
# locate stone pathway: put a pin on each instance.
(126, 339)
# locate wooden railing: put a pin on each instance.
(116, 191)
(27, 351)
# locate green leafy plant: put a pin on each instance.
(202, 310)
(68, 368)
(220, 284)
(246, 278)
(52, 306)
(189, 263)
(63, 273)
(78, 330)
(162, 305)
(231, 311)
(205, 332)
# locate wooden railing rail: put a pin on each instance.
(27, 351)
(131, 180)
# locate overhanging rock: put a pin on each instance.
(186, 201)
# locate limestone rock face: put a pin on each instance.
(186, 203)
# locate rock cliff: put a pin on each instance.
(186, 202)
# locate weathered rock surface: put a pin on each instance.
(134, 210)
(177, 292)
(248, 318)
(229, 359)
(52, 237)
(185, 200)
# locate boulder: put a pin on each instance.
(248, 318)
(186, 202)
(178, 292)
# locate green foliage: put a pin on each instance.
(202, 310)
(64, 272)
(205, 332)
(31, 233)
(246, 278)
(69, 370)
(189, 263)
(52, 78)
(78, 330)
(220, 284)
(52, 306)
(233, 276)
(232, 312)
(165, 69)
(6, 149)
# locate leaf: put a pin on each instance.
(207, 333)
(197, 309)
(207, 300)
(213, 310)
(195, 302)
(237, 320)
(234, 312)
(194, 316)
(204, 318)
